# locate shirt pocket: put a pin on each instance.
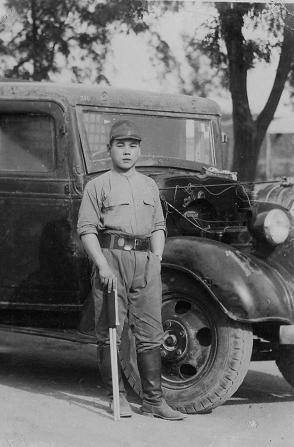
(148, 201)
(116, 211)
(111, 203)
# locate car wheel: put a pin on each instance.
(285, 363)
(205, 355)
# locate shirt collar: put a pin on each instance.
(126, 175)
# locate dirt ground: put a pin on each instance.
(51, 397)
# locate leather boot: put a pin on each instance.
(149, 366)
(104, 364)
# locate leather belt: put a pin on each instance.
(124, 242)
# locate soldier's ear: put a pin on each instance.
(108, 147)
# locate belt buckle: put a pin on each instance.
(127, 245)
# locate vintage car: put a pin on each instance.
(228, 263)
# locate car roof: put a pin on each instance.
(87, 94)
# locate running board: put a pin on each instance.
(65, 334)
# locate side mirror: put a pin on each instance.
(225, 138)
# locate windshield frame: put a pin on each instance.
(145, 160)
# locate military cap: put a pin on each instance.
(123, 130)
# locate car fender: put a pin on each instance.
(247, 288)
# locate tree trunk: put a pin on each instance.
(246, 151)
(34, 41)
(39, 73)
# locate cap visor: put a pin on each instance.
(127, 137)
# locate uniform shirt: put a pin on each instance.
(121, 203)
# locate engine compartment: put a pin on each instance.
(205, 205)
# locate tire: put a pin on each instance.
(205, 355)
(285, 363)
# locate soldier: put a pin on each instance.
(122, 229)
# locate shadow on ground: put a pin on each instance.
(263, 387)
(68, 371)
(63, 370)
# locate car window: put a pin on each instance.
(26, 142)
(175, 137)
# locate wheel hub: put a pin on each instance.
(188, 341)
(175, 340)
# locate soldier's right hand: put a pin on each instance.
(107, 277)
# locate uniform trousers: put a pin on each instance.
(139, 292)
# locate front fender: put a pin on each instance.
(247, 288)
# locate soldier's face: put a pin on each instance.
(124, 153)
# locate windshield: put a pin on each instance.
(162, 136)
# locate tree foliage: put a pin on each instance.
(40, 33)
(46, 30)
(238, 37)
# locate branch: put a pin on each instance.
(52, 54)
(15, 37)
(20, 63)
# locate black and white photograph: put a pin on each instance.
(146, 223)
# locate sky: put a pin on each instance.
(129, 65)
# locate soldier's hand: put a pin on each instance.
(107, 277)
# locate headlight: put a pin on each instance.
(273, 225)
(276, 226)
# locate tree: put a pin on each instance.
(232, 53)
(102, 21)
(240, 57)
(41, 32)
(47, 29)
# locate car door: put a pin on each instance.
(38, 280)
